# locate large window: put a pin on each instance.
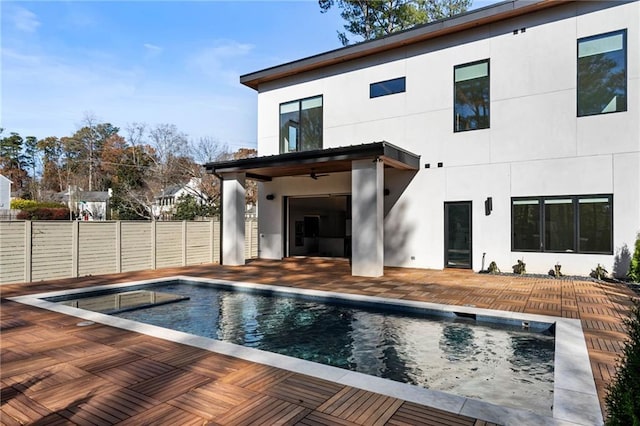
(301, 125)
(573, 224)
(602, 73)
(471, 107)
(388, 87)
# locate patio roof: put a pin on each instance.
(330, 160)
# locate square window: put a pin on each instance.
(471, 105)
(602, 74)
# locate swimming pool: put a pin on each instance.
(501, 364)
(455, 339)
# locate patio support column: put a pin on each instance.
(233, 207)
(367, 214)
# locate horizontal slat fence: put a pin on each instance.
(41, 250)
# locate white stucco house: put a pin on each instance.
(508, 133)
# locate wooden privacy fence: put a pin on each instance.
(39, 250)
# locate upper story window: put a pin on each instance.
(571, 224)
(388, 87)
(301, 125)
(602, 73)
(471, 106)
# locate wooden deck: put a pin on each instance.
(55, 372)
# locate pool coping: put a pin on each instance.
(575, 400)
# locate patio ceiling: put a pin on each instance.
(330, 160)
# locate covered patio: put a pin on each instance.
(57, 372)
(365, 162)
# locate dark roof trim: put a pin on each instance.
(474, 18)
(327, 160)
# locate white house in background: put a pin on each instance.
(5, 193)
(87, 205)
(509, 132)
(164, 205)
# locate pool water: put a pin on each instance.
(503, 365)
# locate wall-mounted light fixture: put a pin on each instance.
(488, 206)
(386, 191)
(271, 197)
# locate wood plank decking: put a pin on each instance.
(55, 372)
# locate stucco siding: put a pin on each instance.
(535, 144)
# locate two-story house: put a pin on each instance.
(507, 133)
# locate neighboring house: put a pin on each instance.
(87, 205)
(164, 205)
(507, 133)
(5, 193)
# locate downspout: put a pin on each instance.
(219, 176)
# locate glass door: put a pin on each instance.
(457, 234)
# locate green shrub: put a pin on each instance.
(519, 268)
(623, 394)
(21, 204)
(634, 268)
(599, 272)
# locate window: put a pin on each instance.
(471, 87)
(526, 224)
(602, 73)
(301, 125)
(388, 87)
(572, 224)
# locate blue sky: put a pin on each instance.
(149, 61)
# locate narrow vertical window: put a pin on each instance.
(558, 225)
(471, 106)
(301, 125)
(595, 227)
(602, 73)
(526, 225)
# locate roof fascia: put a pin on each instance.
(475, 18)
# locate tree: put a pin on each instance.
(52, 173)
(188, 208)
(31, 160)
(372, 19)
(623, 394)
(12, 164)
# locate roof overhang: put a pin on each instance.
(473, 19)
(330, 160)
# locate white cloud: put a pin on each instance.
(152, 47)
(46, 95)
(24, 20)
(218, 61)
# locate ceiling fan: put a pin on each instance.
(315, 176)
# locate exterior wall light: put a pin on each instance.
(270, 197)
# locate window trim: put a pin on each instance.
(575, 201)
(404, 87)
(623, 32)
(299, 102)
(455, 67)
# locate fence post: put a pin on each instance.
(75, 248)
(211, 236)
(118, 246)
(184, 243)
(28, 244)
(153, 244)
